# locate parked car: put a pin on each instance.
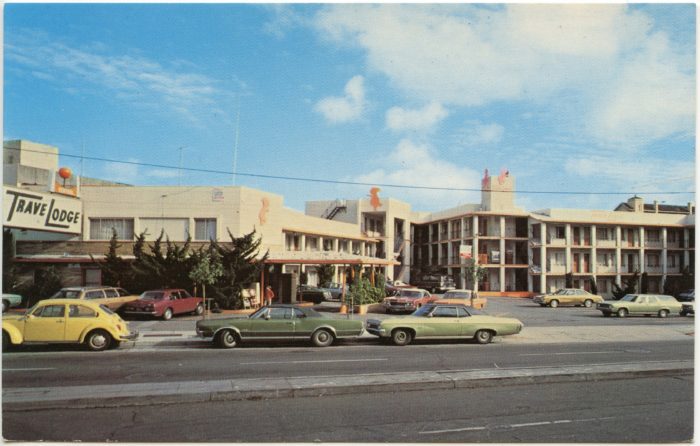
(112, 297)
(164, 304)
(10, 301)
(76, 321)
(456, 297)
(568, 296)
(436, 283)
(313, 294)
(442, 321)
(646, 304)
(336, 290)
(279, 322)
(686, 296)
(688, 308)
(407, 300)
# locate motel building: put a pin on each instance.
(62, 220)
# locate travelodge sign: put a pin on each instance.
(26, 209)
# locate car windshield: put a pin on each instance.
(630, 298)
(66, 294)
(411, 294)
(456, 295)
(152, 295)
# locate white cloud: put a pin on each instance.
(348, 107)
(412, 164)
(478, 134)
(603, 58)
(130, 78)
(120, 172)
(400, 119)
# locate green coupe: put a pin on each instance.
(441, 321)
(279, 322)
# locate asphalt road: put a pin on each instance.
(75, 367)
(647, 410)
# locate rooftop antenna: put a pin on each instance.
(235, 144)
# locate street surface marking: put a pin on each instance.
(514, 426)
(570, 353)
(27, 370)
(311, 362)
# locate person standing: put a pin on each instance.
(269, 295)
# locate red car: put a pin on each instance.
(164, 304)
(407, 300)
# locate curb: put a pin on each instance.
(146, 394)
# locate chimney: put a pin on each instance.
(691, 208)
(656, 207)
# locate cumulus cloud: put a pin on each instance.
(477, 133)
(349, 107)
(605, 58)
(412, 164)
(400, 119)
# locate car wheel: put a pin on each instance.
(199, 309)
(401, 336)
(663, 313)
(622, 312)
(98, 340)
(6, 341)
(5, 306)
(322, 338)
(168, 314)
(483, 336)
(226, 339)
(588, 303)
(554, 303)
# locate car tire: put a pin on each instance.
(622, 312)
(167, 314)
(554, 303)
(483, 336)
(322, 338)
(199, 309)
(401, 337)
(5, 305)
(98, 340)
(6, 341)
(588, 303)
(226, 339)
(663, 313)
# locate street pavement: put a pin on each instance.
(179, 333)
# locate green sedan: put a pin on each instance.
(440, 321)
(279, 322)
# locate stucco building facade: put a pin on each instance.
(522, 251)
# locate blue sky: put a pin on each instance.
(583, 98)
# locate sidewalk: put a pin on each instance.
(118, 395)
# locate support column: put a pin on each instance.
(594, 251)
(642, 251)
(543, 256)
(568, 241)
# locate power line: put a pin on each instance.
(353, 183)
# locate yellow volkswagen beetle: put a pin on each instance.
(73, 321)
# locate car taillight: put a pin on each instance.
(119, 327)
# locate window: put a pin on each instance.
(441, 311)
(111, 292)
(123, 292)
(560, 232)
(184, 294)
(50, 311)
(672, 261)
(299, 314)
(96, 294)
(205, 229)
(463, 312)
(101, 228)
(280, 313)
(80, 311)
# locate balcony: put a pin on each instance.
(606, 243)
(653, 269)
(653, 244)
